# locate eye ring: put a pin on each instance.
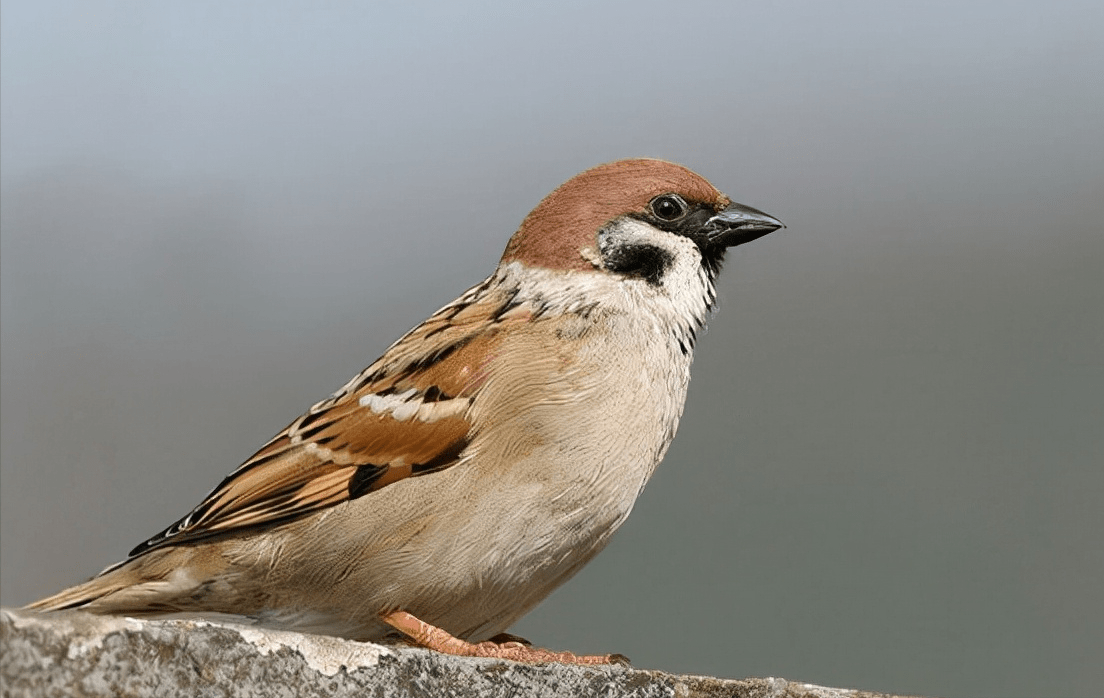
(668, 207)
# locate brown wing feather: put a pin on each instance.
(405, 415)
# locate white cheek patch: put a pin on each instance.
(684, 254)
(591, 255)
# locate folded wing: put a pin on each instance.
(406, 415)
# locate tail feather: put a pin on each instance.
(155, 583)
(79, 595)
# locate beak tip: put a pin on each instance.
(738, 224)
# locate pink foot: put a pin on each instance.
(437, 639)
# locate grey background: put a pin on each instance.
(889, 472)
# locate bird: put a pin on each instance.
(485, 457)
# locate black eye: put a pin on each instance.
(668, 207)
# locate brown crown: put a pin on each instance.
(569, 218)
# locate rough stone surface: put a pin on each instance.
(82, 655)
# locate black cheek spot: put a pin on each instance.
(640, 261)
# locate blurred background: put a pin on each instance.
(890, 470)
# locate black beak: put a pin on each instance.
(738, 224)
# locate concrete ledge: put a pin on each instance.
(78, 654)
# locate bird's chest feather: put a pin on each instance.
(577, 414)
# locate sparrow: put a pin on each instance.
(486, 457)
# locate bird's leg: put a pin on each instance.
(437, 639)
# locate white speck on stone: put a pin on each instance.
(326, 655)
(813, 689)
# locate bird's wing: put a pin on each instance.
(404, 416)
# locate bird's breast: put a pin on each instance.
(578, 414)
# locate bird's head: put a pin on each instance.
(634, 218)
